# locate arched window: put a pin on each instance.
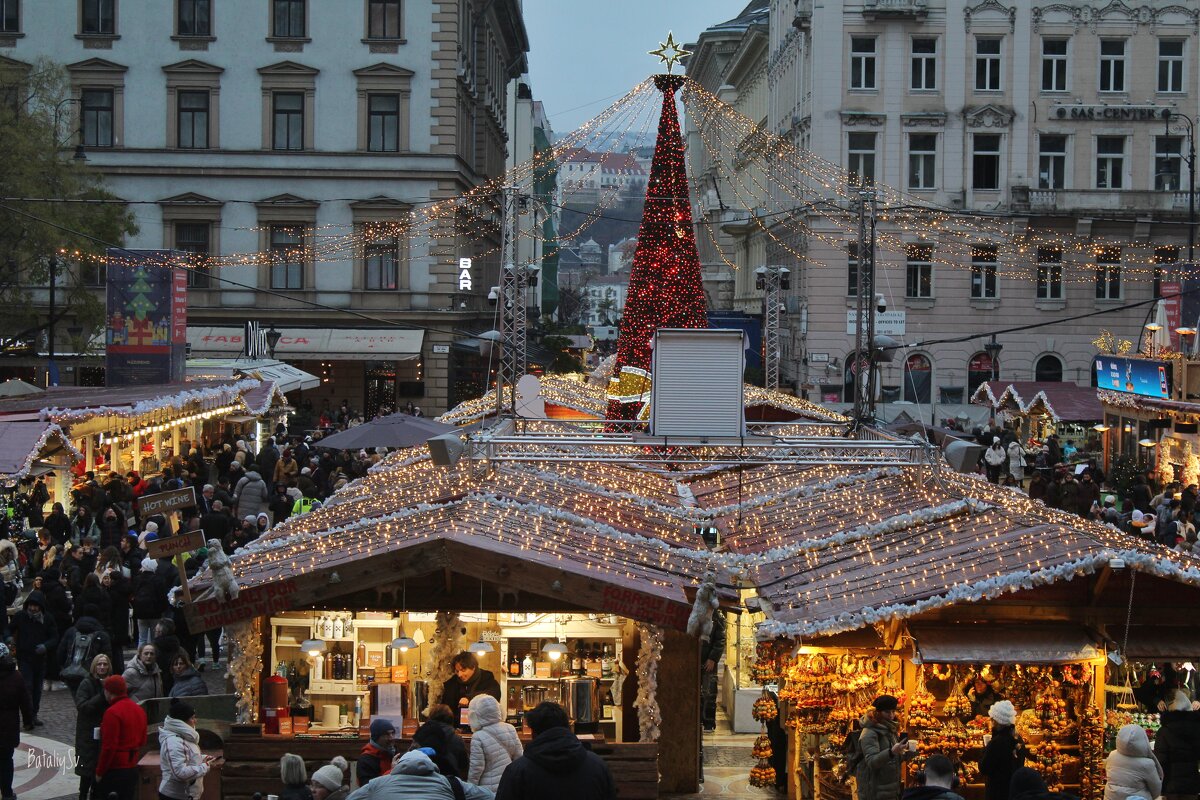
(918, 379)
(1048, 368)
(979, 370)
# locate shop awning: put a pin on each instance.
(285, 377)
(1160, 643)
(342, 344)
(1003, 644)
(23, 443)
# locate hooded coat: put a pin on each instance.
(415, 777)
(144, 682)
(451, 756)
(189, 684)
(556, 765)
(878, 773)
(252, 495)
(1132, 769)
(85, 625)
(494, 743)
(31, 632)
(183, 767)
(1177, 746)
(15, 703)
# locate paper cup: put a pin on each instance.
(987, 739)
(912, 746)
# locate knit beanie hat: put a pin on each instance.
(115, 685)
(885, 702)
(380, 726)
(329, 776)
(1002, 712)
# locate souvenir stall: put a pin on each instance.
(1037, 409)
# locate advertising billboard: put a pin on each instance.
(146, 331)
(1133, 376)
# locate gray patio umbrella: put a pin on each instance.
(394, 430)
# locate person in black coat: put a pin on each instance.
(555, 764)
(90, 705)
(439, 733)
(710, 656)
(92, 594)
(35, 634)
(168, 646)
(15, 704)
(1005, 752)
(468, 681)
(149, 600)
(89, 622)
(120, 595)
(1177, 746)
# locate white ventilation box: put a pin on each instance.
(697, 390)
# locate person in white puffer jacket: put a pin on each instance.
(1131, 769)
(494, 743)
(183, 765)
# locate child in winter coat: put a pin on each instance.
(1132, 769)
(494, 743)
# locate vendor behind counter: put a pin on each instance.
(468, 681)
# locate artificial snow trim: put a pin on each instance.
(648, 658)
(1117, 399)
(443, 647)
(260, 410)
(51, 430)
(989, 589)
(983, 396)
(218, 395)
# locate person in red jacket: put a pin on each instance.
(122, 737)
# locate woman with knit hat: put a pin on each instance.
(329, 782)
(183, 764)
(1004, 753)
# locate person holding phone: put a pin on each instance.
(183, 765)
(883, 749)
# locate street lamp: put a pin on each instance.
(993, 348)
(273, 337)
(1190, 160)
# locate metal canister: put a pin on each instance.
(420, 698)
(580, 696)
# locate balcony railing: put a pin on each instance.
(1130, 201)
(895, 9)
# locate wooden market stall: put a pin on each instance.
(605, 559)
(1040, 408)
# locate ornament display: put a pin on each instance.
(765, 708)
(762, 747)
(957, 705)
(762, 776)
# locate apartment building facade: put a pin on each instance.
(290, 128)
(1059, 122)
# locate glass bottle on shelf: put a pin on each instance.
(348, 628)
(606, 662)
(339, 628)
(593, 665)
(362, 654)
(514, 667)
(527, 667)
(577, 659)
(327, 627)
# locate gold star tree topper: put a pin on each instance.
(669, 52)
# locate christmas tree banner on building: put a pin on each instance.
(146, 340)
(665, 286)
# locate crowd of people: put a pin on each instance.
(1134, 770)
(88, 604)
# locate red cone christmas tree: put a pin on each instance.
(665, 287)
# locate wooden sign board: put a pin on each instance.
(171, 546)
(166, 502)
(645, 607)
(257, 601)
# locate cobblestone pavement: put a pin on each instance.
(45, 770)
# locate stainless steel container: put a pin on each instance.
(420, 699)
(580, 696)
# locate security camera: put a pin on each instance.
(494, 295)
(880, 303)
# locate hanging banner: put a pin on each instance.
(146, 331)
(1173, 304)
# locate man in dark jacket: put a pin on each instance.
(71, 641)
(217, 523)
(555, 764)
(14, 704)
(1177, 746)
(36, 635)
(877, 775)
(939, 781)
(710, 656)
(439, 733)
(377, 753)
(469, 680)
(59, 524)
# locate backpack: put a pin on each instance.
(85, 648)
(852, 751)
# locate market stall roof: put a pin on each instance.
(14, 387)
(66, 405)
(23, 443)
(1158, 643)
(1001, 644)
(344, 344)
(286, 377)
(1061, 401)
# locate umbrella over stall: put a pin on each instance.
(394, 430)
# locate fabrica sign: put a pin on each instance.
(1111, 113)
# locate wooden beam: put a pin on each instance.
(448, 580)
(679, 700)
(1099, 584)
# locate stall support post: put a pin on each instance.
(175, 441)
(114, 454)
(137, 453)
(89, 453)
(180, 559)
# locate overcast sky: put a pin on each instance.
(585, 54)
